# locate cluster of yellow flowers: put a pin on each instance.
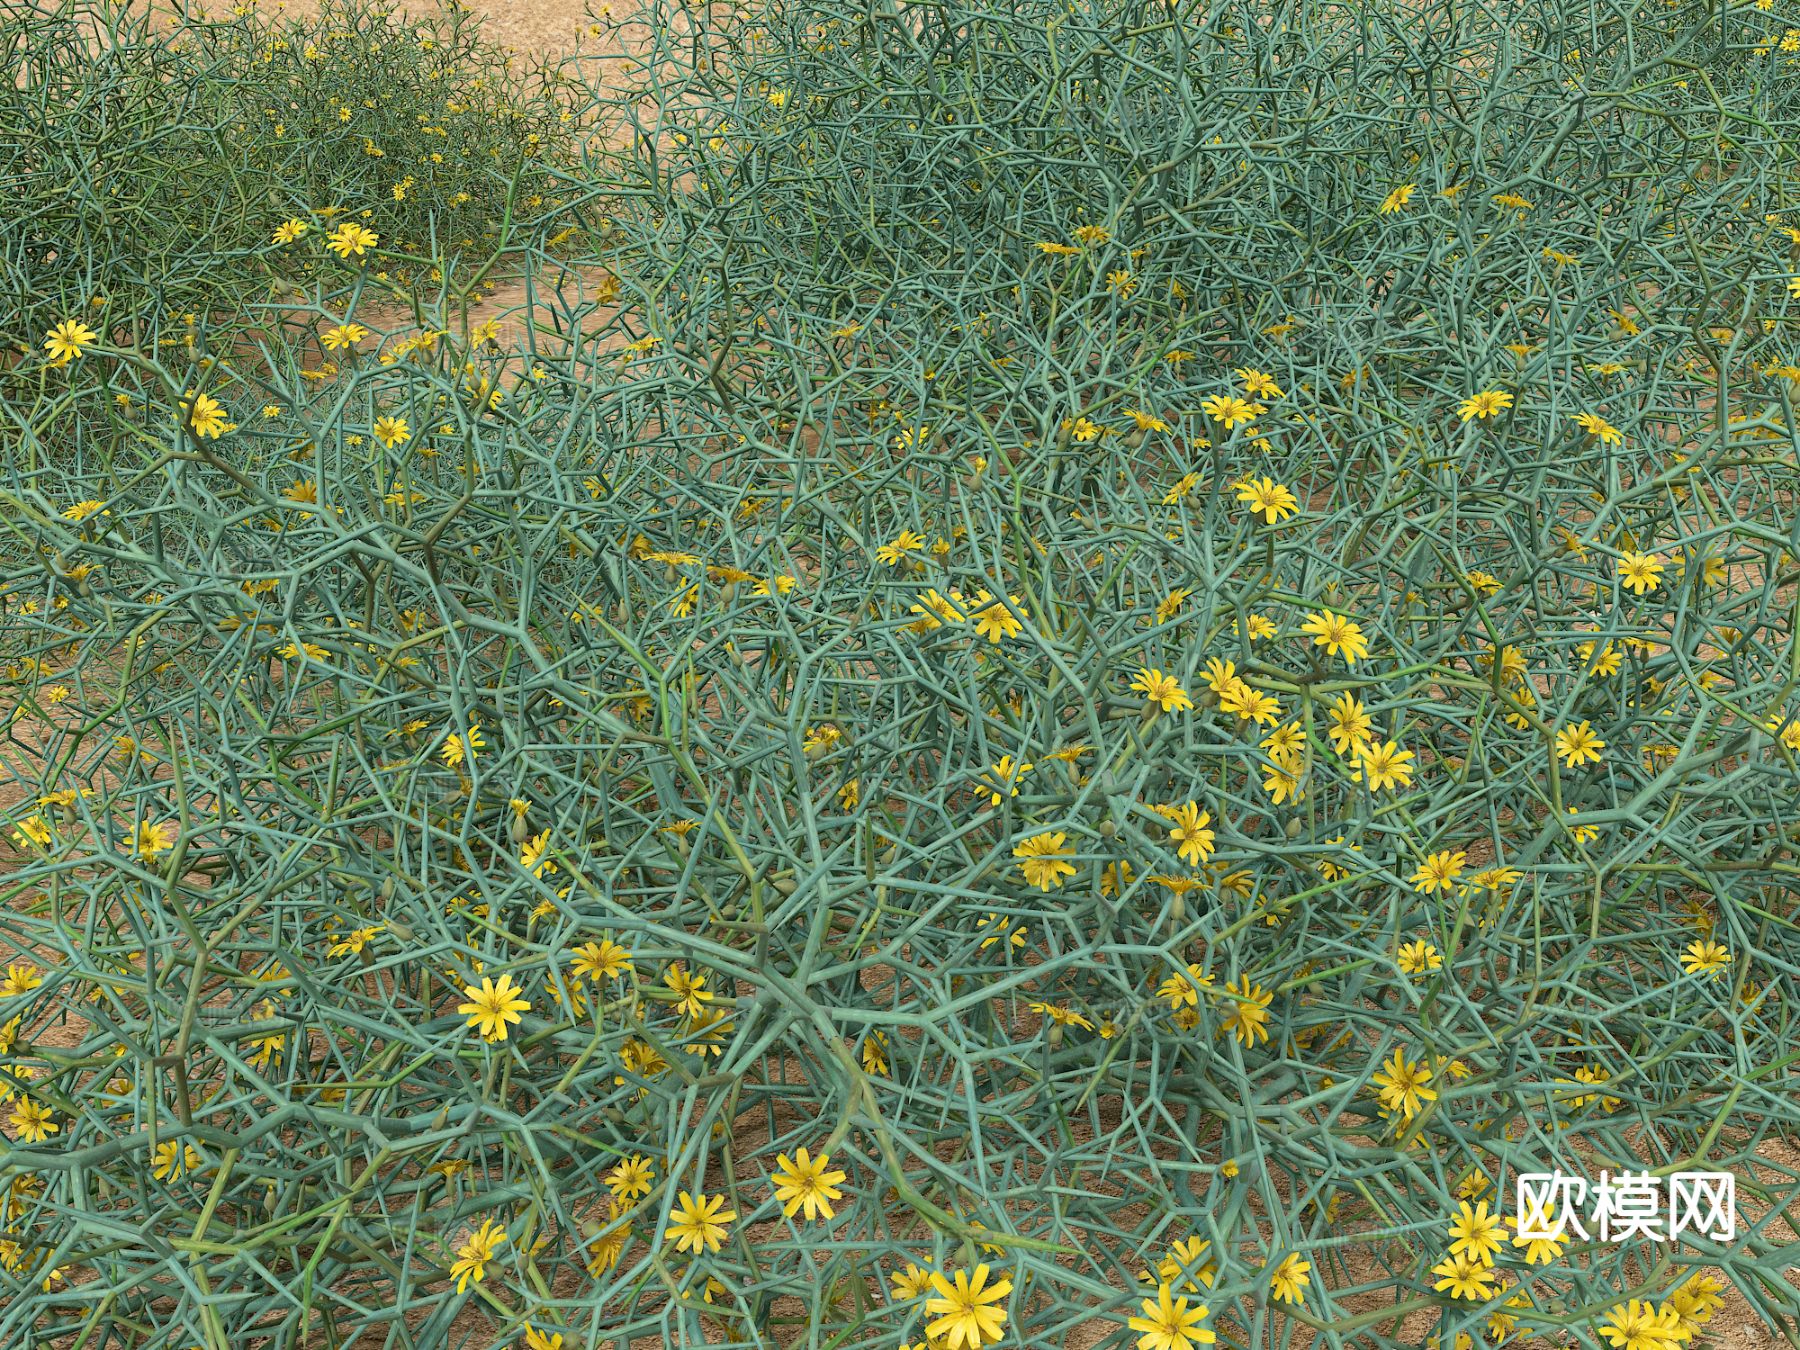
(1468, 1272)
(1149, 743)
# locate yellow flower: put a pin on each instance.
(32, 1123)
(1439, 872)
(909, 1283)
(1043, 859)
(691, 995)
(491, 1007)
(474, 1254)
(351, 240)
(993, 620)
(1640, 571)
(602, 960)
(1061, 1016)
(1169, 1324)
(172, 1159)
(1257, 383)
(1539, 1251)
(1383, 763)
(1246, 1013)
(1179, 492)
(355, 942)
(344, 335)
(1272, 500)
(206, 415)
(820, 739)
(66, 340)
(1599, 428)
(1228, 409)
(1164, 691)
(1485, 404)
(1636, 1325)
(1003, 778)
(1403, 1085)
(1417, 957)
(874, 1053)
(531, 855)
(392, 431)
(1692, 1303)
(1282, 780)
(1187, 1254)
(1476, 1233)
(605, 1250)
(1578, 745)
(1606, 664)
(457, 748)
(1115, 877)
(1350, 724)
(935, 610)
(631, 1180)
(1286, 744)
(1462, 1276)
(21, 978)
(1188, 832)
(150, 838)
(1398, 198)
(1249, 704)
(699, 1223)
(33, 829)
(1582, 834)
(289, 230)
(1183, 990)
(1705, 958)
(804, 1185)
(1170, 605)
(1337, 634)
(892, 553)
(963, 1312)
(1289, 1279)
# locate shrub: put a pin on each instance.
(152, 157)
(1166, 633)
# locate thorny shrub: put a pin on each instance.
(1104, 663)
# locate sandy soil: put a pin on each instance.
(526, 26)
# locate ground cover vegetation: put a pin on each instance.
(1069, 674)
